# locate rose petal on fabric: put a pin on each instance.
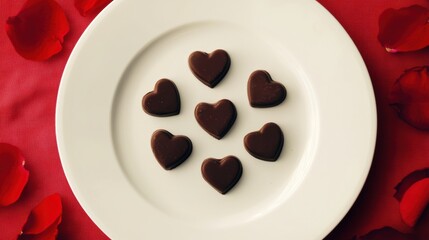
(13, 175)
(45, 215)
(404, 29)
(37, 31)
(409, 180)
(409, 96)
(385, 233)
(421, 229)
(49, 234)
(414, 202)
(86, 7)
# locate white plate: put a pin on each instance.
(328, 118)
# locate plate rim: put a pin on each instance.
(62, 148)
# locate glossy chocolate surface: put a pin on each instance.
(263, 92)
(211, 68)
(163, 101)
(222, 174)
(216, 119)
(265, 144)
(170, 151)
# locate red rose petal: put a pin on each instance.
(414, 202)
(409, 180)
(49, 234)
(404, 29)
(86, 7)
(13, 175)
(386, 233)
(45, 215)
(410, 97)
(38, 31)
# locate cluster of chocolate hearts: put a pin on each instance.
(216, 119)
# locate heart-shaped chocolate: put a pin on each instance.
(211, 68)
(163, 101)
(216, 119)
(222, 174)
(263, 92)
(265, 144)
(170, 150)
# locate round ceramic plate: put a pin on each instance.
(328, 119)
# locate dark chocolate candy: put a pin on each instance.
(263, 92)
(170, 150)
(216, 119)
(222, 174)
(163, 101)
(211, 68)
(265, 144)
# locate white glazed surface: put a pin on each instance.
(328, 119)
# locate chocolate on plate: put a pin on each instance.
(263, 92)
(170, 150)
(265, 144)
(211, 68)
(216, 119)
(222, 174)
(163, 101)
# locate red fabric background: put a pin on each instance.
(28, 93)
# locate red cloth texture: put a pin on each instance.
(27, 121)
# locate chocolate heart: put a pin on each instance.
(222, 174)
(211, 68)
(265, 144)
(163, 101)
(263, 92)
(170, 150)
(216, 119)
